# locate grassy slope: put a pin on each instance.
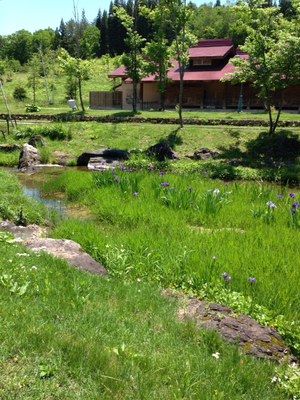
(66, 334)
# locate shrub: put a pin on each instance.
(55, 132)
(19, 93)
(32, 108)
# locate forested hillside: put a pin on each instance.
(105, 34)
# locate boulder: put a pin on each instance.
(108, 156)
(205, 154)
(29, 156)
(67, 250)
(36, 140)
(253, 338)
(8, 148)
(162, 151)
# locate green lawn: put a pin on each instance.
(66, 334)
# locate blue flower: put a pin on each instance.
(135, 194)
(271, 204)
(292, 195)
(117, 180)
(252, 280)
(165, 184)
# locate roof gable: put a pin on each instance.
(212, 48)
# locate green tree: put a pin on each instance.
(158, 51)
(90, 43)
(19, 46)
(34, 75)
(133, 60)
(273, 46)
(76, 69)
(178, 15)
(43, 40)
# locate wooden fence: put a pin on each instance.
(106, 100)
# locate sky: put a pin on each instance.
(33, 15)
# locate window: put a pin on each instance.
(201, 61)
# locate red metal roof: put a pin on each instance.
(214, 48)
(118, 73)
(210, 52)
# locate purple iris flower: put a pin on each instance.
(135, 194)
(271, 204)
(292, 195)
(162, 173)
(296, 205)
(252, 280)
(117, 180)
(165, 184)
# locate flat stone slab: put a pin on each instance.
(102, 155)
(253, 338)
(68, 250)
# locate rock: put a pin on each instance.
(253, 338)
(7, 148)
(162, 151)
(205, 154)
(105, 155)
(22, 232)
(29, 156)
(36, 140)
(60, 157)
(67, 250)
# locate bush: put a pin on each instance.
(19, 93)
(32, 108)
(55, 132)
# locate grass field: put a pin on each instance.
(66, 334)
(78, 336)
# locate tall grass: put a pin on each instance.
(67, 334)
(185, 232)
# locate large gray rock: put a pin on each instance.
(29, 156)
(253, 338)
(105, 156)
(67, 250)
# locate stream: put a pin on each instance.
(32, 183)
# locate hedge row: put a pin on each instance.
(171, 121)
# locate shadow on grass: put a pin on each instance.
(265, 150)
(125, 114)
(173, 139)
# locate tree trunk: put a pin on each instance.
(80, 94)
(180, 96)
(134, 96)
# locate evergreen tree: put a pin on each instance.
(104, 41)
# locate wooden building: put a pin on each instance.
(204, 85)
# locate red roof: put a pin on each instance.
(118, 73)
(194, 75)
(214, 48)
(210, 52)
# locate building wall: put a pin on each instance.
(127, 90)
(150, 95)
